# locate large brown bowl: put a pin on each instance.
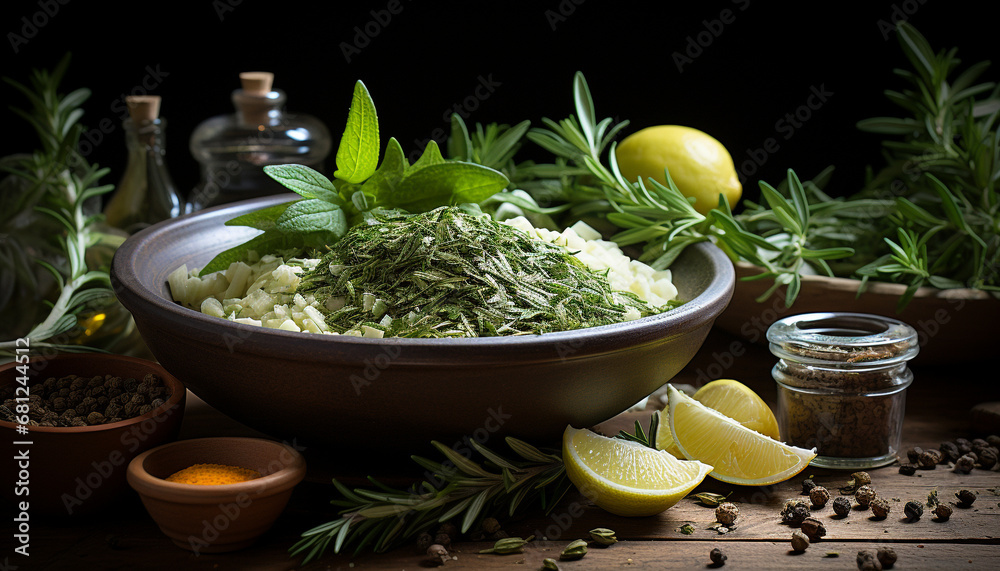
(70, 472)
(400, 393)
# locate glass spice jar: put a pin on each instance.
(842, 380)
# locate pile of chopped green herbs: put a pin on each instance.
(451, 272)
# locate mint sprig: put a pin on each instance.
(329, 208)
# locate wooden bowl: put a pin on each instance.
(216, 518)
(952, 325)
(73, 471)
(347, 392)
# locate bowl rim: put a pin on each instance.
(281, 480)
(178, 393)
(130, 287)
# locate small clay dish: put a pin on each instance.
(223, 517)
(75, 470)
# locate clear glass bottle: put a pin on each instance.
(146, 193)
(233, 149)
(842, 380)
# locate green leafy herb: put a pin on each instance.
(457, 488)
(646, 438)
(452, 272)
(329, 208)
(56, 182)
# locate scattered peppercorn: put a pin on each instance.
(913, 454)
(913, 510)
(807, 485)
(443, 539)
(794, 512)
(718, 557)
(943, 512)
(965, 464)
(438, 554)
(799, 541)
(988, 458)
(880, 507)
(965, 498)
(842, 506)
(424, 540)
(819, 496)
(927, 460)
(978, 445)
(491, 525)
(964, 446)
(865, 495)
(727, 513)
(813, 528)
(950, 451)
(907, 469)
(994, 440)
(449, 529)
(868, 561)
(860, 479)
(886, 556)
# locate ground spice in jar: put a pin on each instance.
(842, 380)
(213, 475)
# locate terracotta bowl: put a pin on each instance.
(216, 518)
(341, 391)
(75, 470)
(953, 325)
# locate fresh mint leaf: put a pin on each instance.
(430, 156)
(357, 156)
(304, 181)
(389, 173)
(269, 242)
(313, 215)
(263, 219)
(444, 184)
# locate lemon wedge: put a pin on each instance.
(738, 401)
(733, 399)
(739, 455)
(624, 477)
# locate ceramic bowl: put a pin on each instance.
(216, 518)
(341, 391)
(953, 325)
(73, 471)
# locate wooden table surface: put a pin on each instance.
(937, 410)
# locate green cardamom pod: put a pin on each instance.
(711, 500)
(603, 536)
(508, 545)
(575, 550)
(549, 564)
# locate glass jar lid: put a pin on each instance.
(844, 340)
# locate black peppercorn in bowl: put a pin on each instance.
(82, 419)
(398, 393)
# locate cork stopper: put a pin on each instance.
(143, 107)
(256, 82)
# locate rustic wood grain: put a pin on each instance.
(124, 537)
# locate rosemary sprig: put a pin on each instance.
(59, 182)
(647, 437)
(457, 489)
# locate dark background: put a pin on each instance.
(429, 57)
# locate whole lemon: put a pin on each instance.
(700, 166)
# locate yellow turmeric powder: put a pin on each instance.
(213, 475)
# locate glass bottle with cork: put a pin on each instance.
(233, 149)
(146, 193)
